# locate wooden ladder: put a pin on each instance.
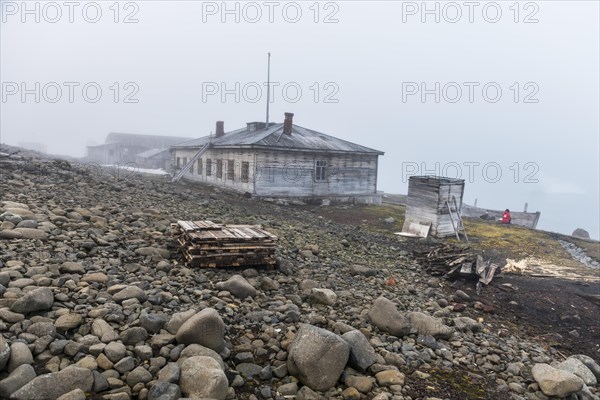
(187, 166)
(458, 227)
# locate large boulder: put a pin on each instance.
(556, 382)
(16, 380)
(577, 367)
(427, 325)
(203, 377)
(35, 300)
(362, 354)
(237, 286)
(317, 357)
(590, 363)
(206, 328)
(581, 233)
(56, 384)
(385, 316)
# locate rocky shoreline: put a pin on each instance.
(96, 303)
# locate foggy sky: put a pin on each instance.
(367, 57)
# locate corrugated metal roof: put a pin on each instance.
(273, 138)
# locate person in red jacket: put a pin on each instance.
(505, 217)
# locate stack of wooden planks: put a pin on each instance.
(205, 244)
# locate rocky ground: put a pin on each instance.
(95, 303)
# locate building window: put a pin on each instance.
(230, 170)
(320, 171)
(178, 162)
(208, 167)
(184, 161)
(220, 169)
(199, 166)
(245, 171)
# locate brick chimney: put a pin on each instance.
(287, 123)
(220, 130)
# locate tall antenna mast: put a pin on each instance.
(268, 87)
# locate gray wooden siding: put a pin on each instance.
(426, 203)
(292, 174)
(236, 156)
(288, 174)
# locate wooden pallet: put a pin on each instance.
(205, 244)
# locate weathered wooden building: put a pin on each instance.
(430, 200)
(281, 160)
(124, 148)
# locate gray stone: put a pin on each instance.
(195, 349)
(104, 331)
(556, 382)
(125, 365)
(362, 354)
(138, 375)
(29, 233)
(19, 355)
(203, 377)
(16, 380)
(575, 366)
(322, 296)
(56, 384)
(115, 351)
(248, 370)
(152, 322)
(385, 316)
(581, 233)
(133, 335)
(206, 328)
(317, 357)
(164, 391)
(427, 325)
(35, 300)
(362, 270)
(4, 352)
(170, 373)
(590, 363)
(237, 286)
(175, 322)
(68, 321)
(130, 292)
(466, 324)
(69, 267)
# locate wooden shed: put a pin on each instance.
(427, 203)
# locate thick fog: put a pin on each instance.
(502, 94)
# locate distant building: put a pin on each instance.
(147, 151)
(281, 160)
